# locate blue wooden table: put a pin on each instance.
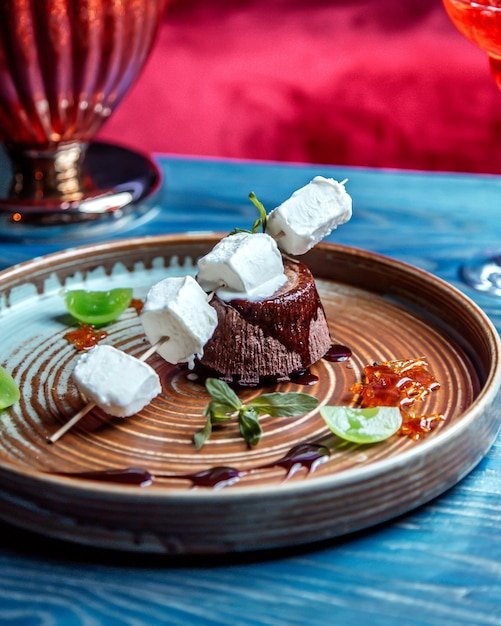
(439, 565)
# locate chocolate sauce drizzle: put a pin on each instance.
(305, 377)
(337, 353)
(308, 455)
(215, 477)
(127, 476)
(281, 318)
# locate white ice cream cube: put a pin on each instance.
(177, 308)
(243, 265)
(117, 382)
(309, 215)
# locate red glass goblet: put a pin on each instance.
(65, 65)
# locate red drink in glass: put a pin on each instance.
(480, 22)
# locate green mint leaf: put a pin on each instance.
(281, 404)
(202, 435)
(219, 411)
(225, 404)
(256, 226)
(235, 231)
(221, 392)
(262, 210)
(250, 428)
(259, 223)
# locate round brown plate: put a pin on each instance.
(382, 309)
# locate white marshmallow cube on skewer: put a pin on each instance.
(177, 317)
(115, 381)
(243, 265)
(309, 215)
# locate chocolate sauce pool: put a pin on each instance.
(337, 353)
(308, 455)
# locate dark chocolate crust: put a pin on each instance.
(272, 338)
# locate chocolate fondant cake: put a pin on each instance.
(271, 338)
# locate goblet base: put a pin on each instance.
(484, 274)
(121, 183)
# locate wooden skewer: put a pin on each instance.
(152, 349)
(90, 405)
(76, 418)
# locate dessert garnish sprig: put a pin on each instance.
(225, 405)
(260, 223)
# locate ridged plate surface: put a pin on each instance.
(380, 308)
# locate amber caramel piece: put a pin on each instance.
(85, 337)
(395, 383)
(400, 383)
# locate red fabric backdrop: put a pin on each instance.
(387, 83)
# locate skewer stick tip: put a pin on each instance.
(76, 418)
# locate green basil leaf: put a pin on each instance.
(202, 435)
(221, 392)
(250, 428)
(281, 404)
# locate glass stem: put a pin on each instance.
(48, 174)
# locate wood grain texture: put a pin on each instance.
(439, 565)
